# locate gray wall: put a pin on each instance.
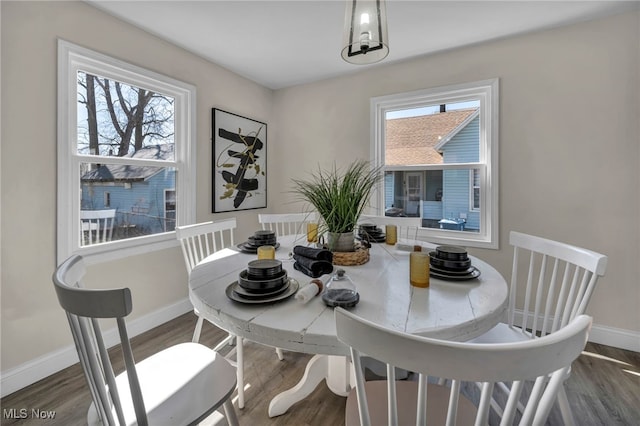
(569, 151)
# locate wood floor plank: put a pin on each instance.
(604, 387)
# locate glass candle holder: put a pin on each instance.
(266, 252)
(391, 232)
(312, 232)
(419, 269)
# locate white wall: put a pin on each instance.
(569, 140)
(569, 153)
(33, 325)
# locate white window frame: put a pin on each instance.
(486, 91)
(71, 59)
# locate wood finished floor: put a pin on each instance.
(604, 388)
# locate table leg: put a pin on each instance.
(340, 376)
(335, 369)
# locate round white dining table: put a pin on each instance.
(452, 310)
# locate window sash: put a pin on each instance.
(71, 59)
(486, 92)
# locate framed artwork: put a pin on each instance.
(239, 162)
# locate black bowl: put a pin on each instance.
(371, 232)
(264, 269)
(253, 285)
(264, 234)
(451, 253)
(253, 242)
(452, 265)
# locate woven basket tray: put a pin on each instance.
(351, 258)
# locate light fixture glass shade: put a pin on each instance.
(365, 39)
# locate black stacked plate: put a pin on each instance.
(263, 281)
(259, 238)
(371, 233)
(452, 263)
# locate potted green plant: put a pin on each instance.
(340, 199)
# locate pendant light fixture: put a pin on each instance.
(365, 39)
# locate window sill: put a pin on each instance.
(115, 250)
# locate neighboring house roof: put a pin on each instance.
(415, 140)
(129, 173)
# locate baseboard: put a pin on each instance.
(616, 337)
(30, 372)
(39, 368)
(605, 335)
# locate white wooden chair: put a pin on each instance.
(96, 225)
(287, 223)
(545, 361)
(408, 227)
(551, 283)
(199, 241)
(202, 239)
(179, 385)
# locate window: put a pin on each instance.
(438, 149)
(126, 150)
(474, 202)
(170, 209)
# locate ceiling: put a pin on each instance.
(284, 43)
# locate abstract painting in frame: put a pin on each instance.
(239, 162)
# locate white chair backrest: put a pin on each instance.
(533, 359)
(408, 227)
(287, 223)
(99, 222)
(84, 307)
(200, 240)
(559, 281)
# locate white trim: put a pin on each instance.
(37, 369)
(30, 372)
(72, 58)
(604, 335)
(615, 337)
(487, 92)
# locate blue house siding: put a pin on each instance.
(138, 203)
(445, 194)
(464, 147)
(388, 190)
(432, 210)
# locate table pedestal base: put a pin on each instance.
(336, 370)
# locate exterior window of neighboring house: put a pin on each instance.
(170, 209)
(438, 149)
(474, 202)
(126, 140)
